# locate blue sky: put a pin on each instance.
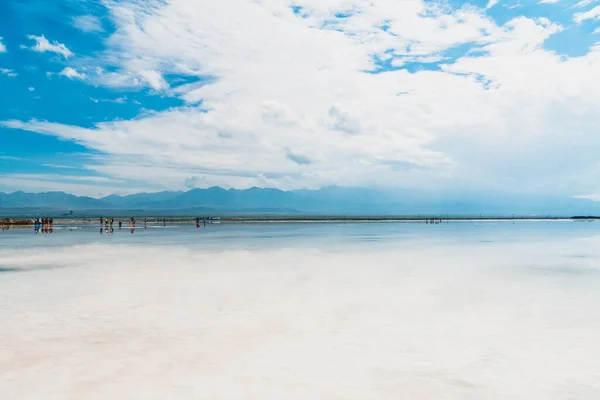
(104, 97)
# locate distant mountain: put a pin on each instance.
(326, 201)
(58, 200)
(140, 200)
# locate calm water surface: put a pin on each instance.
(494, 310)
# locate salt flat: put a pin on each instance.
(461, 311)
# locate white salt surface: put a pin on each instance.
(473, 321)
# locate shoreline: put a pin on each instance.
(308, 219)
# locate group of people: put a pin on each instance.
(43, 225)
(108, 224)
(5, 223)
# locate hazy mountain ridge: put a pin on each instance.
(330, 200)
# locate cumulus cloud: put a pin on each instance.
(2, 46)
(303, 101)
(44, 45)
(88, 23)
(71, 73)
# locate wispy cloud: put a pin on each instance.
(583, 3)
(58, 166)
(88, 23)
(2, 46)
(44, 45)
(594, 13)
(72, 73)
(82, 178)
(548, 1)
(593, 197)
(491, 3)
(31, 89)
(8, 72)
(118, 100)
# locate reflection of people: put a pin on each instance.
(132, 230)
(101, 230)
(120, 223)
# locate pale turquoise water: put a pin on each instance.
(494, 310)
(319, 235)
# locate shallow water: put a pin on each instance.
(321, 311)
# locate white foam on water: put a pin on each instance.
(479, 321)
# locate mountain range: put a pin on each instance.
(326, 201)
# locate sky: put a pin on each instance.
(124, 96)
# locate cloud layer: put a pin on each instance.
(325, 92)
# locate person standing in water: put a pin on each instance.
(120, 223)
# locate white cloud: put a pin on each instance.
(31, 88)
(2, 46)
(593, 197)
(118, 100)
(548, 1)
(154, 79)
(72, 73)
(596, 31)
(594, 13)
(8, 72)
(285, 89)
(491, 3)
(59, 166)
(583, 3)
(88, 23)
(44, 45)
